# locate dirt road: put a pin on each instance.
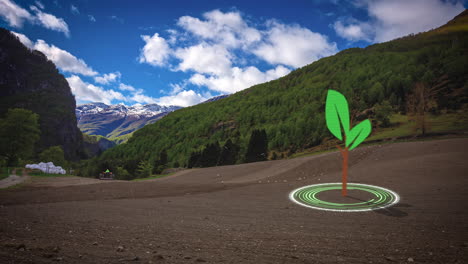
(242, 214)
(13, 179)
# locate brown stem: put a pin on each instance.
(344, 178)
(344, 153)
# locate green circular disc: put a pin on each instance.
(381, 197)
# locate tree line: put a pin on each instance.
(19, 133)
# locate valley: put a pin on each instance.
(214, 135)
(242, 214)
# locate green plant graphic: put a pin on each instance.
(337, 118)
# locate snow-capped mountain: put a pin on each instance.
(148, 110)
(114, 121)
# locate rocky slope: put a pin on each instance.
(29, 80)
(113, 121)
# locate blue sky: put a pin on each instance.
(184, 52)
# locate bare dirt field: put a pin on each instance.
(242, 214)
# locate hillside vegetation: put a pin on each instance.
(376, 80)
(30, 81)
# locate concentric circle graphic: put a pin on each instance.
(381, 197)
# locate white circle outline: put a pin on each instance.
(397, 198)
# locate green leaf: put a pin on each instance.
(336, 111)
(358, 134)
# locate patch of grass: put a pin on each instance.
(38, 173)
(402, 128)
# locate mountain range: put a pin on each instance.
(117, 121)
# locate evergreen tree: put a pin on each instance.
(210, 154)
(257, 149)
(228, 154)
(163, 158)
(19, 131)
(194, 160)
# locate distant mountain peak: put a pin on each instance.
(116, 120)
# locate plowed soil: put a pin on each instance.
(242, 214)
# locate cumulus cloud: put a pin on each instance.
(63, 59)
(108, 78)
(125, 87)
(353, 32)
(139, 97)
(25, 40)
(39, 4)
(176, 88)
(50, 21)
(183, 98)
(204, 58)
(84, 91)
(226, 28)
(219, 50)
(294, 46)
(156, 50)
(397, 18)
(239, 79)
(14, 14)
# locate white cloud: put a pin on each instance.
(139, 97)
(239, 79)
(204, 59)
(125, 87)
(218, 49)
(226, 28)
(87, 92)
(91, 18)
(74, 10)
(176, 88)
(183, 98)
(397, 18)
(25, 40)
(63, 59)
(353, 32)
(108, 78)
(294, 46)
(50, 21)
(39, 4)
(156, 50)
(14, 14)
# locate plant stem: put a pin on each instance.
(344, 179)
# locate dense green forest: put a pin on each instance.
(289, 112)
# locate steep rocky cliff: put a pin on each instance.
(29, 80)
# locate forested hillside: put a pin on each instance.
(290, 110)
(29, 80)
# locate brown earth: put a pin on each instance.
(242, 214)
